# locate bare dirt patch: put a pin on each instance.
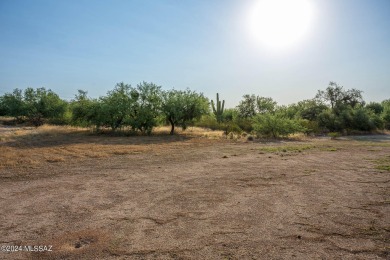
(191, 197)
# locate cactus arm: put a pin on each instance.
(218, 104)
(213, 106)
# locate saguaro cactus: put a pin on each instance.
(218, 111)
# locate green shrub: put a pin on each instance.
(274, 125)
(244, 124)
(232, 127)
(311, 127)
(375, 107)
(385, 116)
(82, 110)
(329, 121)
(208, 121)
(361, 120)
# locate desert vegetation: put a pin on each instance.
(140, 109)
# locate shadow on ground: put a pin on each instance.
(42, 139)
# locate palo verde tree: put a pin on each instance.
(182, 107)
(218, 109)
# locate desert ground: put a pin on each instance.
(194, 195)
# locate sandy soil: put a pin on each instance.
(194, 198)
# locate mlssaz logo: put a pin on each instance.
(38, 248)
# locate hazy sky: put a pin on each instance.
(204, 45)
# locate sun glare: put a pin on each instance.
(279, 24)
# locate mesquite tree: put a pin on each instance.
(181, 107)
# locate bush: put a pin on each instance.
(275, 125)
(385, 116)
(66, 119)
(232, 127)
(311, 127)
(330, 121)
(375, 107)
(350, 119)
(208, 121)
(365, 120)
(244, 123)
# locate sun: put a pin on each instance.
(280, 24)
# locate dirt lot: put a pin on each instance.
(193, 197)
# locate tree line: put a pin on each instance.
(145, 106)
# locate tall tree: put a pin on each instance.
(247, 107)
(338, 98)
(265, 104)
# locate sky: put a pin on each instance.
(198, 44)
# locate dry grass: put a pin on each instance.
(191, 131)
(12, 133)
(27, 147)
